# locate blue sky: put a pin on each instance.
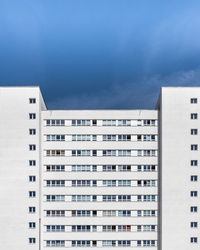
(100, 53)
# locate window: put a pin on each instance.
(55, 168)
(193, 100)
(146, 183)
(55, 213)
(149, 122)
(146, 198)
(194, 147)
(32, 147)
(32, 178)
(124, 168)
(109, 183)
(146, 228)
(32, 209)
(193, 193)
(109, 228)
(148, 243)
(80, 122)
(109, 152)
(194, 131)
(109, 213)
(148, 137)
(109, 243)
(109, 198)
(55, 183)
(32, 163)
(193, 177)
(84, 228)
(124, 213)
(109, 137)
(81, 213)
(124, 198)
(146, 152)
(149, 212)
(81, 168)
(55, 137)
(194, 116)
(55, 228)
(32, 100)
(109, 168)
(80, 152)
(94, 152)
(32, 131)
(94, 122)
(124, 243)
(32, 194)
(81, 243)
(124, 122)
(193, 209)
(194, 163)
(32, 225)
(55, 153)
(124, 152)
(55, 122)
(32, 240)
(124, 137)
(193, 240)
(81, 198)
(124, 183)
(149, 152)
(32, 116)
(109, 123)
(81, 183)
(55, 198)
(194, 224)
(146, 168)
(81, 137)
(55, 243)
(146, 213)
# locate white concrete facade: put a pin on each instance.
(179, 168)
(99, 178)
(89, 181)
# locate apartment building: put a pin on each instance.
(179, 189)
(98, 178)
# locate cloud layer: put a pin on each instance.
(127, 95)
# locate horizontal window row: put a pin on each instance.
(101, 168)
(101, 228)
(101, 243)
(64, 122)
(101, 213)
(101, 183)
(109, 153)
(101, 198)
(99, 137)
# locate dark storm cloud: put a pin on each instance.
(100, 54)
